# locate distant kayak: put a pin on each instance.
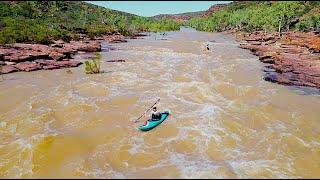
(152, 123)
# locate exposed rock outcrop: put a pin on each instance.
(292, 56)
(31, 57)
(118, 38)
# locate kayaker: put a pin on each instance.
(155, 114)
(208, 47)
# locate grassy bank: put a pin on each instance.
(45, 21)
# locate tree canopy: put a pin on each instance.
(267, 16)
(45, 21)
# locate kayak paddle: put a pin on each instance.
(147, 110)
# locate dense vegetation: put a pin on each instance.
(262, 15)
(44, 21)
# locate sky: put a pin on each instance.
(152, 8)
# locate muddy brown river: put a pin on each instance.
(225, 122)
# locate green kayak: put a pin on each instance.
(152, 123)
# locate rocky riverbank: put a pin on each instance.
(292, 58)
(32, 57)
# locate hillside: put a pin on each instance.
(179, 17)
(188, 15)
(45, 21)
(268, 16)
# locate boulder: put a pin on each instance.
(50, 67)
(51, 64)
(8, 69)
(56, 55)
(44, 62)
(28, 66)
(58, 44)
(9, 63)
(87, 46)
(67, 63)
(116, 38)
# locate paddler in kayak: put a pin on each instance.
(155, 114)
